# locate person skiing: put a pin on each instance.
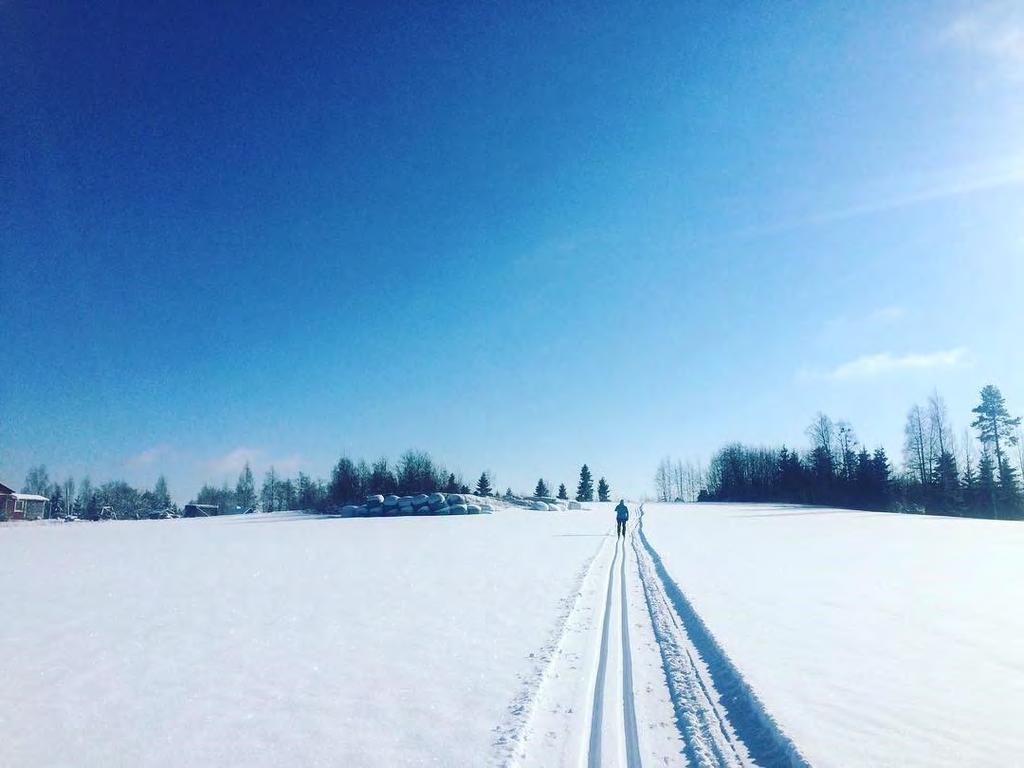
(621, 516)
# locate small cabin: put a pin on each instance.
(22, 506)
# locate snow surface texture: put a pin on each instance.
(714, 635)
(269, 640)
(872, 639)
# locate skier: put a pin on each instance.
(621, 516)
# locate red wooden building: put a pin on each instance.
(21, 506)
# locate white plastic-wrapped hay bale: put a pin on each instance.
(472, 509)
(486, 509)
(444, 509)
(349, 510)
(456, 499)
(540, 506)
(423, 511)
(575, 505)
(436, 498)
(457, 509)
(420, 500)
(391, 501)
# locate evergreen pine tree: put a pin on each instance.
(996, 428)
(245, 489)
(268, 493)
(161, 496)
(382, 480)
(603, 490)
(1008, 491)
(541, 489)
(881, 474)
(986, 498)
(563, 493)
(483, 485)
(347, 482)
(585, 488)
(307, 493)
(508, 493)
(864, 487)
(947, 484)
(452, 485)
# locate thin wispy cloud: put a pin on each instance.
(149, 457)
(993, 31)
(885, 363)
(234, 461)
(958, 184)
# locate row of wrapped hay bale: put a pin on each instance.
(421, 504)
(545, 503)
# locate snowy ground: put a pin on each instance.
(873, 639)
(713, 635)
(278, 640)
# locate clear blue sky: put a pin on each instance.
(517, 236)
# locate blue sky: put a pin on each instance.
(519, 237)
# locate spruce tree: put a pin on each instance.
(452, 485)
(881, 478)
(541, 489)
(603, 490)
(483, 485)
(347, 482)
(382, 480)
(307, 493)
(986, 499)
(563, 493)
(947, 483)
(1009, 492)
(245, 489)
(161, 496)
(864, 490)
(585, 488)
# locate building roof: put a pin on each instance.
(5, 491)
(29, 497)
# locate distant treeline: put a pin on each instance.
(115, 498)
(977, 475)
(351, 481)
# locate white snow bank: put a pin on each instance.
(873, 639)
(280, 639)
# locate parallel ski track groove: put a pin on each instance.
(628, 704)
(693, 716)
(597, 714)
(751, 735)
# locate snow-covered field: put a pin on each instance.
(714, 635)
(271, 640)
(873, 639)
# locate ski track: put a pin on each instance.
(720, 720)
(597, 713)
(628, 702)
